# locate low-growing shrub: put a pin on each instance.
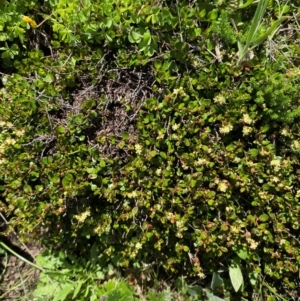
(154, 134)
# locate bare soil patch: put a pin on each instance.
(18, 278)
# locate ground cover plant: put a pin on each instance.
(165, 135)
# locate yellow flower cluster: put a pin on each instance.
(276, 163)
(138, 149)
(226, 128)
(161, 134)
(83, 216)
(247, 130)
(201, 162)
(220, 99)
(132, 194)
(247, 119)
(179, 91)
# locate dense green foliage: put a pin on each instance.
(166, 133)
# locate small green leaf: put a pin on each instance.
(253, 152)
(249, 2)
(202, 14)
(60, 129)
(213, 15)
(163, 155)
(68, 178)
(230, 147)
(186, 248)
(94, 252)
(125, 136)
(49, 78)
(27, 189)
(264, 217)
(242, 253)
(264, 128)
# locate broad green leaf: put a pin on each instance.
(62, 295)
(268, 33)
(236, 275)
(77, 289)
(212, 297)
(44, 290)
(216, 281)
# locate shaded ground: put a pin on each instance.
(17, 277)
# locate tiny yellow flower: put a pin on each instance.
(10, 141)
(19, 133)
(247, 119)
(284, 132)
(184, 166)
(179, 91)
(200, 162)
(138, 246)
(220, 99)
(296, 144)
(158, 171)
(175, 126)
(161, 134)
(222, 187)
(247, 130)
(237, 160)
(226, 128)
(138, 148)
(2, 148)
(132, 194)
(179, 224)
(282, 241)
(253, 244)
(82, 217)
(275, 163)
(275, 179)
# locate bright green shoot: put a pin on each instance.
(254, 38)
